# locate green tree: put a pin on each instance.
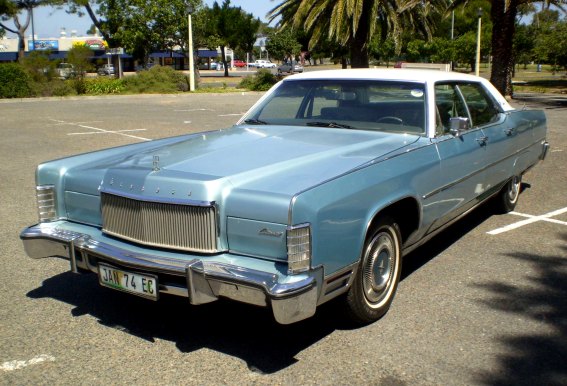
(14, 81)
(40, 68)
(524, 44)
(384, 50)
(80, 57)
(417, 50)
(551, 42)
(108, 18)
(7, 9)
(130, 23)
(283, 44)
(92, 30)
(503, 14)
(13, 10)
(153, 25)
(228, 26)
(354, 23)
(443, 50)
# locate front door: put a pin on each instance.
(462, 156)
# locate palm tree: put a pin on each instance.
(353, 23)
(503, 15)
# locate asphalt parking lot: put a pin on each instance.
(483, 303)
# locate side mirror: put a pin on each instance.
(458, 125)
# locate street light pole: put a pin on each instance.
(477, 66)
(32, 32)
(452, 35)
(190, 10)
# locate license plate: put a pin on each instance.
(131, 282)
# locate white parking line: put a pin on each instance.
(106, 132)
(230, 115)
(531, 219)
(61, 123)
(99, 131)
(193, 110)
(16, 365)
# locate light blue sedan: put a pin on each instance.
(316, 193)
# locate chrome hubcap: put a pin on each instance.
(379, 267)
(514, 189)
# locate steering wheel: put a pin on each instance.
(391, 119)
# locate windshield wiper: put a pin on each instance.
(330, 124)
(254, 121)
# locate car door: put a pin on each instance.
(487, 116)
(462, 162)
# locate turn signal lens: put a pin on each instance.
(299, 248)
(46, 203)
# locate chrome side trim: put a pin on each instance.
(205, 281)
(435, 232)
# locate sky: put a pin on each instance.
(48, 21)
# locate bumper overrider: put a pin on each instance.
(200, 280)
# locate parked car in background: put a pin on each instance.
(317, 192)
(106, 69)
(239, 63)
(264, 64)
(218, 66)
(290, 67)
(65, 71)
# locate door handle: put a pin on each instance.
(509, 132)
(482, 140)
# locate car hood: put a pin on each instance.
(261, 160)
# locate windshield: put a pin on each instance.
(348, 104)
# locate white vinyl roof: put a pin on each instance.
(400, 74)
(389, 74)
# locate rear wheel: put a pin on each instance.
(378, 275)
(508, 197)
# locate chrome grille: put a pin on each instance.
(160, 224)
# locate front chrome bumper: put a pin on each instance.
(199, 280)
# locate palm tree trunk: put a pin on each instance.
(224, 62)
(358, 45)
(504, 25)
(359, 52)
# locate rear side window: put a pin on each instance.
(481, 107)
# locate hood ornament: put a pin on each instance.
(155, 166)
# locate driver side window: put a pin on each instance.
(449, 104)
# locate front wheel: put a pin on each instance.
(378, 275)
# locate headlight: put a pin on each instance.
(46, 203)
(299, 248)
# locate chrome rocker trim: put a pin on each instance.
(205, 281)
